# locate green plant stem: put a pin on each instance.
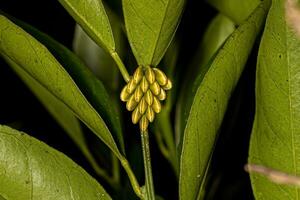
(150, 195)
(134, 183)
(120, 65)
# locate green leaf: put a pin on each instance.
(275, 136)
(212, 92)
(61, 113)
(90, 85)
(150, 26)
(236, 10)
(29, 169)
(58, 110)
(36, 60)
(219, 29)
(92, 18)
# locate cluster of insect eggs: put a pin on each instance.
(143, 93)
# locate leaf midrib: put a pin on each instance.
(160, 30)
(290, 107)
(186, 126)
(115, 150)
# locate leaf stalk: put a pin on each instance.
(134, 183)
(120, 65)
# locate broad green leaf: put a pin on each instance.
(212, 92)
(61, 113)
(90, 86)
(92, 18)
(275, 136)
(29, 169)
(236, 10)
(36, 60)
(219, 29)
(150, 26)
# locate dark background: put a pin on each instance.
(21, 110)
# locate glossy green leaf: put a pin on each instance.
(29, 169)
(275, 136)
(150, 26)
(89, 84)
(58, 110)
(36, 60)
(212, 92)
(236, 10)
(214, 37)
(61, 113)
(92, 18)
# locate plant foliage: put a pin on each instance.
(83, 90)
